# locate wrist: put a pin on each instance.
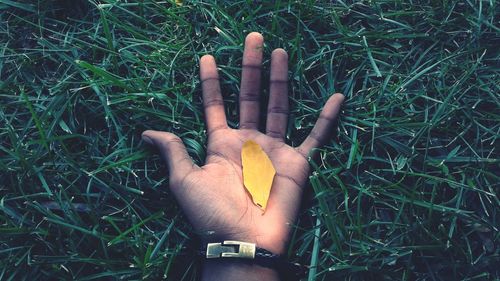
(238, 258)
(234, 269)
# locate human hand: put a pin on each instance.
(213, 196)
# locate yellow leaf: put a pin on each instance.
(258, 173)
(178, 2)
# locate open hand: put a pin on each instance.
(213, 196)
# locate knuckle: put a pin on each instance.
(214, 102)
(249, 96)
(169, 139)
(275, 134)
(278, 110)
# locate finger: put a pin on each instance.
(212, 98)
(173, 152)
(324, 125)
(250, 81)
(277, 109)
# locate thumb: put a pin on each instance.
(173, 152)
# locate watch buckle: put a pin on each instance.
(231, 249)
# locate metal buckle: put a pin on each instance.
(231, 249)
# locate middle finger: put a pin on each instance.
(250, 81)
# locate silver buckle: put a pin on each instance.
(231, 249)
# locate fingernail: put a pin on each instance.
(340, 96)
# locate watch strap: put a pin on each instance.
(251, 253)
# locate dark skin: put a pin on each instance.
(213, 196)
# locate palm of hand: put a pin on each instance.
(229, 212)
(213, 196)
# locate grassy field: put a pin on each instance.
(407, 189)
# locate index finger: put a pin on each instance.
(212, 99)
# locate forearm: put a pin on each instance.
(222, 270)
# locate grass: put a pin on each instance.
(407, 190)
